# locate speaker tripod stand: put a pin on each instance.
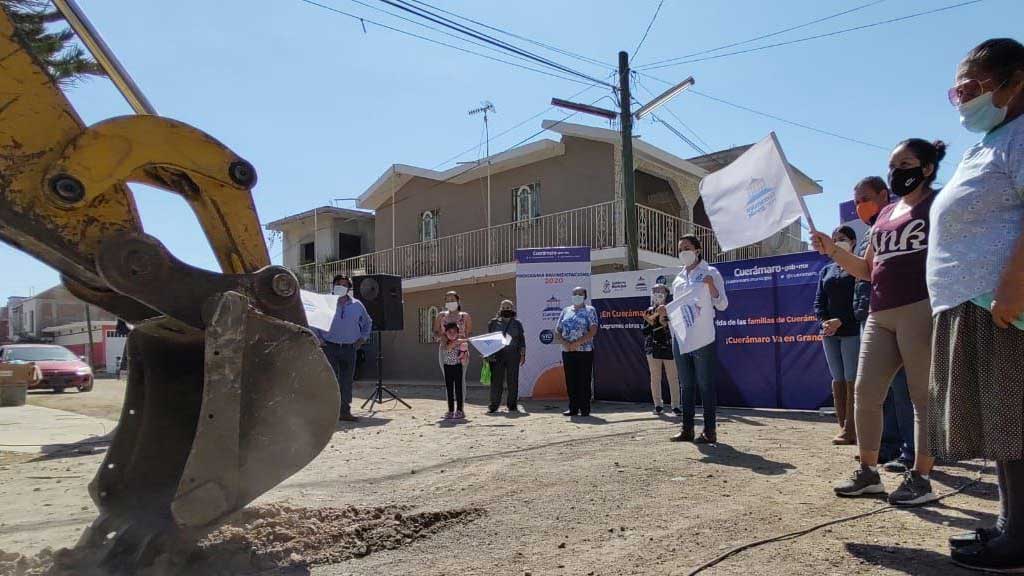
(378, 393)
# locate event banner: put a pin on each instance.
(545, 278)
(768, 340)
(620, 367)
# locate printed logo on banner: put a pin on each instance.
(760, 197)
(662, 280)
(552, 309)
(607, 289)
(546, 336)
(641, 285)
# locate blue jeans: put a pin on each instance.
(898, 421)
(342, 358)
(695, 369)
(842, 352)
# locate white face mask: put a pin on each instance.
(578, 299)
(687, 257)
(658, 298)
(340, 290)
(451, 306)
(845, 245)
(981, 114)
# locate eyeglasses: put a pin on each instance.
(968, 90)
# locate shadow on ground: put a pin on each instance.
(725, 455)
(905, 560)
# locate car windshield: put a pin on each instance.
(39, 354)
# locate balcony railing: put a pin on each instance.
(597, 226)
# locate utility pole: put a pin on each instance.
(628, 180)
(626, 115)
(88, 328)
(484, 108)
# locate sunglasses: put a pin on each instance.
(968, 90)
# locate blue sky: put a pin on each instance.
(322, 108)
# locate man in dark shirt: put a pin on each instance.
(897, 451)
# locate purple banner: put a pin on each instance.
(848, 211)
(552, 255)
(768, 340)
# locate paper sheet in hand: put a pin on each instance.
(691, 319)
(320, 309)
(488, 344)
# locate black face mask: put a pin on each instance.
(507, 313)
(903, 181)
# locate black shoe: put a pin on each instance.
(898, 466)
(677, 411)
(1002, 554)
(569, 413)
(979, 536)
(492, 409)
(707, 438)
(685, 435)
(659, 409)
(585, 414)
(915, 490)
(864, 481)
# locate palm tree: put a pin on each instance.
(64, 59)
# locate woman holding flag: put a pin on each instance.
(899, 325)
(698, 287)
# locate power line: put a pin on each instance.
(502, 133)
(451, 24)
(769, 35)
(648, 30)
(439, 42)
(817, 36)
(434, 29)
(773, 116)
(569, 53)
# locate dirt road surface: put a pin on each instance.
(605, 496)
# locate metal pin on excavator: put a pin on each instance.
(228, 392)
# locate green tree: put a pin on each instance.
(37, 23)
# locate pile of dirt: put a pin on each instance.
(277, 538)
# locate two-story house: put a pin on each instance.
(323, 234)
(31, 319)
(458, 229)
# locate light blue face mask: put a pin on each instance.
(980, 114)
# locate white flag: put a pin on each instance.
(752, 198)
(488, 344)
(320, 309)
(691, 318)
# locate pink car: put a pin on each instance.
(60, 367)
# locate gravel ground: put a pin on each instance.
(539, 494)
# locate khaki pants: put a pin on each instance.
(656, 365)
(894, 338)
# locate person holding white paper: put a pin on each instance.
(505, 363)
(695, 352)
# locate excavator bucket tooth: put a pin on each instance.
(211, 420)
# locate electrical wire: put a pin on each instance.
(462, 29)
(763, 36)
(772, 116)
(805, 531)
(435, 29)
(648, 30)
(562, 51)
(817, 36)
(439, 42)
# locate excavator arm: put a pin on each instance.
(228, 391)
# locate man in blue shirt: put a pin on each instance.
(349, 331)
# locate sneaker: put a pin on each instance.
(864, 481)
(347, 418)
(913, 491)
(492, 409)
(448, 416)
(1002, 555)
(459, 415)
(659, 409)
(677, 411)
(898, 466)
(569, 413)
(979, 536)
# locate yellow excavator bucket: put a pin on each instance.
(228, 391)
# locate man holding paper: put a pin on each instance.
(697, 292)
